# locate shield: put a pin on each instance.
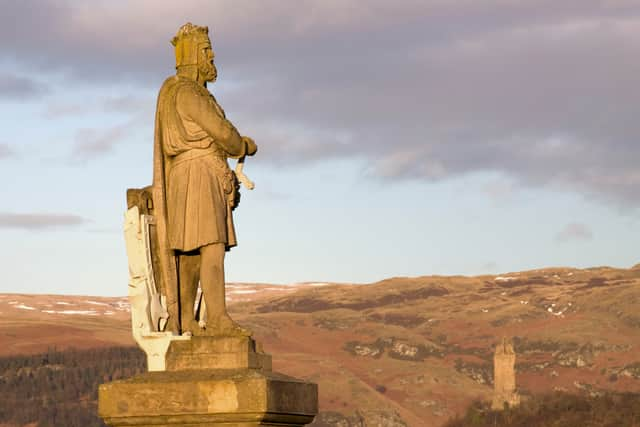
(148, 313)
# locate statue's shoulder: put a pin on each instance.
(175, 85)
(171, 83)
(190, 87)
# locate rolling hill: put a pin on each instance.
(402, 351)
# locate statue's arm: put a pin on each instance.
(200, 109)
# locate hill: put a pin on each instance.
(407, 351)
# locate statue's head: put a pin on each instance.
(193, 51)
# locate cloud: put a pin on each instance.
(542, 92)
(574, 231)
(91, 142)
(17, 88)
(111, 104)
(5, 151)
(35, 221)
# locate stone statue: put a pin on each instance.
(183, 224)
(177, 232)
(194, 190)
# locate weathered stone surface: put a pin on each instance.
(504, 381)
(242, 397)
(216, 353)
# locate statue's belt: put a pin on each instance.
(221, 168)
(195, 153)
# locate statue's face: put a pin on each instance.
(205, 63)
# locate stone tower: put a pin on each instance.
(504, 376)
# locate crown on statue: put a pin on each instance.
(187, 42)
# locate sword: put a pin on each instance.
(244, 179)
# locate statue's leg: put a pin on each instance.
(189, 276)
(212, 282)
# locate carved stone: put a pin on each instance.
(204, 369)
(216, 353)
(229, 398)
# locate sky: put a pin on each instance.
(403, 138)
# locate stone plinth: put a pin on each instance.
(216, 353)
(230, 398)
(210, 381)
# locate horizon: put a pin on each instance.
(321, 283)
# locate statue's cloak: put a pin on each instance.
(166, 271)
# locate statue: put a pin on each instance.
(194, 190)
(184, 221)
(203, 370)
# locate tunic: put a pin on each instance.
(200, 188)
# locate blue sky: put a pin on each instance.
(395, 138)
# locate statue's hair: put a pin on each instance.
(189, 30)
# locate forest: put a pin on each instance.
(60, 388)
(558, 409)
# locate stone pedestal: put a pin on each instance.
(210, 381)
(216, 353)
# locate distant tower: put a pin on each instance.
(504, 376)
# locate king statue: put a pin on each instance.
(189, 205)
(204, 369)
(194, 189)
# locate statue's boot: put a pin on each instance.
(224, 325)
(193, 328)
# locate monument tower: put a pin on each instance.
(204, 369)
(504, 376)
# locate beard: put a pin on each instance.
(208, 71)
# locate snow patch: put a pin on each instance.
(97, 303)
(85, 312)
(504, 278)
(23, 307)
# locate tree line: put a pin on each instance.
(60, 388)
(558, 409)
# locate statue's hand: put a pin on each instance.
(251, 145)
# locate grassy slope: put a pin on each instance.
(420, 347)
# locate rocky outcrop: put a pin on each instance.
(394, 348)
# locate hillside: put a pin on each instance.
(413, 351)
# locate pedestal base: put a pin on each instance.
(216, 353)
(207, 398)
